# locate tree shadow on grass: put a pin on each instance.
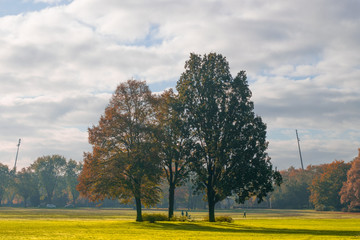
(235, 228)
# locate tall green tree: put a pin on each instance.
(49, 169)
(27, 186)
(4, 180)
(10, 191)
(72, 173)
(350, 191)
(229, 141)
(125, 160)
(173, 137)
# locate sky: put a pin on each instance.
(61, 60)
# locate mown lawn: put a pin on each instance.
(119, 224)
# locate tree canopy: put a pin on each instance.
(173, 135)
(49, 170)
(124, 162)
(229, 140)
(49, 179)
(4, 179)
(27, 185)
(294, 191)
(72, 172)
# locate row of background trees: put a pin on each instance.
(333, 186)
(53, 180)
(48, 180)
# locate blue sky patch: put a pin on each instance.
(151, 38)
(15, 7)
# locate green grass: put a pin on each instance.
(119, 224)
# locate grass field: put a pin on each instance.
(119, 224)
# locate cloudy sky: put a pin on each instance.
(61, 60)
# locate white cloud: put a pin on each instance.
(61, 64)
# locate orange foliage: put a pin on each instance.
(350, 192)
(326, 186)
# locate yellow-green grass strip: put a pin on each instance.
(119, 224)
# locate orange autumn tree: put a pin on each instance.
(327, 184)
(124, 162)
(350, 192)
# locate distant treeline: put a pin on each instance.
(53, 180)
(322, 187)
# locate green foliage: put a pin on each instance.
(221, 219)
(321, 207)
(181, 219)
(49, 169)
(173, 136)
(154, 217)
(4, 180)
(27, 186)
(48, 179)
(228, 141)
(224, 219)
(294, 192)
(72, 173)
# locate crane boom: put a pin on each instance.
(298, 141)
(17, 153)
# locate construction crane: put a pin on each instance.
(17, 154)
(298, 141)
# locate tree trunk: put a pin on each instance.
(171, 200)
(49, 198)
(211, 203)
(138, 210)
